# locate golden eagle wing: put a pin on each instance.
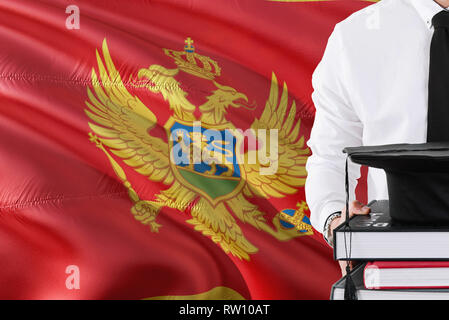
(292, 154)
(122, 122)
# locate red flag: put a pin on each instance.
(99, 101)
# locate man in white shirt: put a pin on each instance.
(370, 88)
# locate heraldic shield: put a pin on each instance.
(216, 173)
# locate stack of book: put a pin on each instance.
(395, 262)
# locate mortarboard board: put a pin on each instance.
(417, 179)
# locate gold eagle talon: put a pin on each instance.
(146, 212)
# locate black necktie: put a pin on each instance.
(438, 107)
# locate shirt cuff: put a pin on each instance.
(328, 209)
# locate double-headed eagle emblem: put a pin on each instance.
(214, 193)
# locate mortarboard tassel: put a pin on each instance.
(350, 290)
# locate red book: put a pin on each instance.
(406, 274)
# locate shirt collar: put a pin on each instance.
(427, 9)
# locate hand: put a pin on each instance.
(355, 208)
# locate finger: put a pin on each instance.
(363, 210)
(358, 208)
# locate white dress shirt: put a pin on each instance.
(370, 88)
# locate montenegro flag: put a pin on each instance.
(156, 149)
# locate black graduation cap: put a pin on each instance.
(417, 178)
